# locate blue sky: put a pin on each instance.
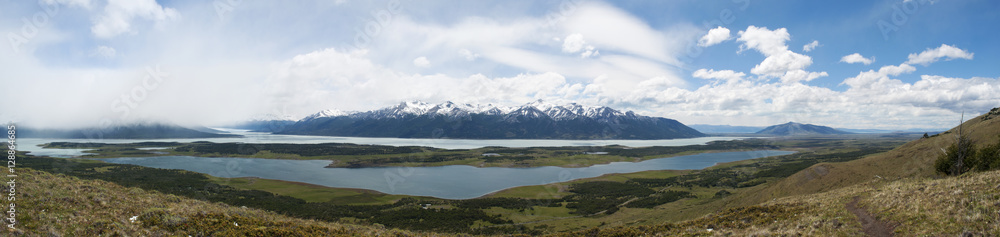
(919, 63)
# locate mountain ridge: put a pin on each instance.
(793, 129)
(535, 120)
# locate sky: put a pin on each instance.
(883, 64)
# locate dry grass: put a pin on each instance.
(913, 159)
(969, 204)
(59, 205)
(899, 187)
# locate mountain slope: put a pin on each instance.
(794, 129)
(536, 120)
(914, 159)
(132, 131)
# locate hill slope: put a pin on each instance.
(57, 205)
(914, 159)
(955, 206)
(795, 129)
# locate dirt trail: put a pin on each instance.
(871, 225)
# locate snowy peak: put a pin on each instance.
(602, 112)
(541, 105)
(326, 113)
(574, 110)
(534, 109)
(534, 120)
(414, 107)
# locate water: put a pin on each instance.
(451, 182)
(31, 144)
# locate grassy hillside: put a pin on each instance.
(914, 159)
(55, 204)
(60, 205)
(913, 207)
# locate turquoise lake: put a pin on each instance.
(450, 182)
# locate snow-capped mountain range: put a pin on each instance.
(534, 120)
(326, 113)
(537, 108)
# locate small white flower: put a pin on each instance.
(133, 219)
(234, 223)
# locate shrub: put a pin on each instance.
(986, 158)
(958, 158)
(722, 193)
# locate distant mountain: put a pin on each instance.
(265, 123)
(724, 128)
(131, 131)
(535, 120)
(792, 129)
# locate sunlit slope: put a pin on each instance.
(54, 204)
(953, 206)
(914, 159)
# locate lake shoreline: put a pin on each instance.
(446, 182)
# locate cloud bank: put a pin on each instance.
(182, 62)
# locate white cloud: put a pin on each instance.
(421, 62)
(767, 42)
(777, 64)
(118, 16)
(728, 75)
(104, 52)
(873, 81)
(779, 61)
(469, 55)
(801, 75)
(574, 43)
(714, 36)
(521, 44)
(872, 99)
(857, 58)
(896, 70)
(331, 78)
(604, 25)
(80, 3)
(929, 56)
(590, 52)
(810, 46)
(637, 69)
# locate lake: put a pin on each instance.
(450, 182)
(31, 144)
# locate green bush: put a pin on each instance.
(985, 158)
(989, 157)
(722, 193)
(958, 158)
